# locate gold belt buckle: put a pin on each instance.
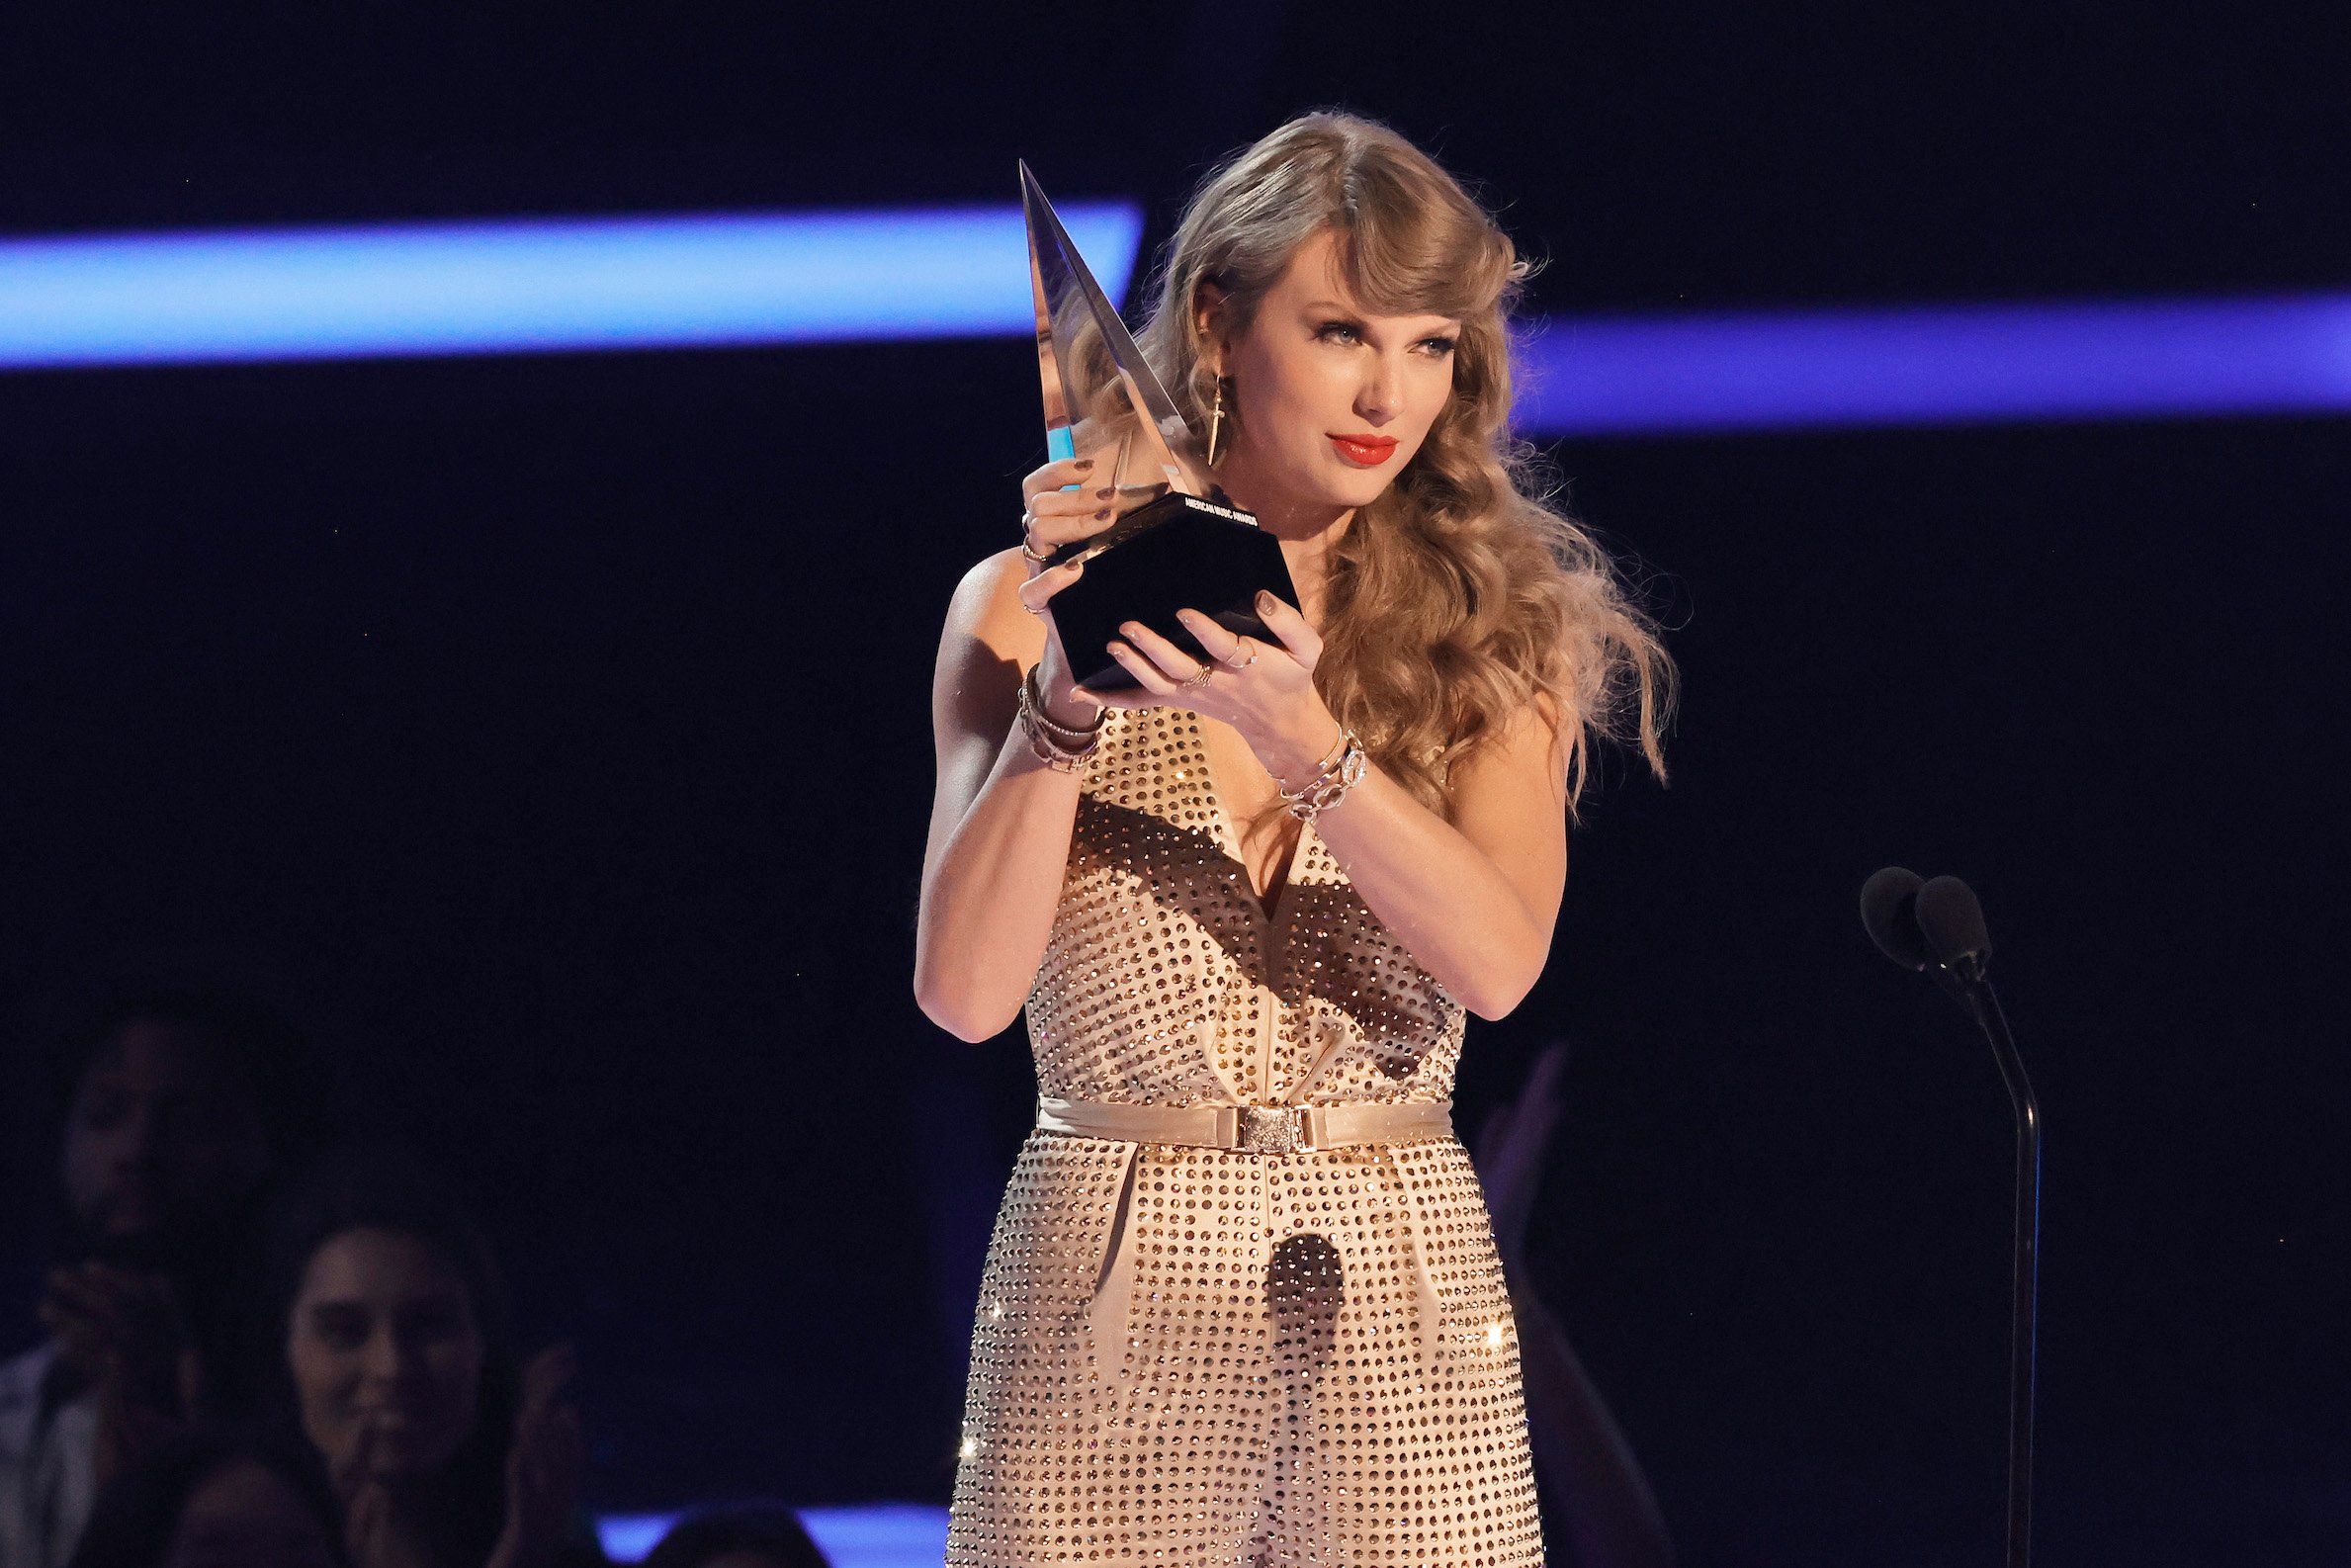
(1271, 1129)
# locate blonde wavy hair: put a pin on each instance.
(1459, 597)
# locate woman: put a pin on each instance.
(1242, 1303)
(209, 1499)
(395, 1362)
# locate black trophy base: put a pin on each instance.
(1178, 553)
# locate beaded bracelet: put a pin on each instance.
(1341, 770)
(1055, 745)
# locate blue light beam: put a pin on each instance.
(1936, 366)
(535, 286)
(709, 281)
(869, 1535)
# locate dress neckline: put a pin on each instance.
(1268, 905)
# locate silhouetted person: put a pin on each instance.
(208, 1500)
(750, 1537)
(174, 1110)
(1599, 1500)
(396, 1363)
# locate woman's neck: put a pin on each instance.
(1308, 530)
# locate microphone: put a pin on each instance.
(1936, 926)
(1952, 922)
(1889, 913)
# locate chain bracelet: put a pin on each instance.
(1055, 745)
(1337, 773)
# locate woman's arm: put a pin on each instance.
(1001, 819)
(1473, 900)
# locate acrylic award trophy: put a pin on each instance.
(1170, 547)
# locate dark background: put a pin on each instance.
(551, 734)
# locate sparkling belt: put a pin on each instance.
(1262, 1130)
(1248, 1129)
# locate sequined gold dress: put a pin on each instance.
(1190, 1355)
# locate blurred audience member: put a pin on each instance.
(204, 1500)
(750, 1537)
(1599, 1500)
(175, 1108)
(397, 1364)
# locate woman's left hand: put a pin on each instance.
(1264, 690)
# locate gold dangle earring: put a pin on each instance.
(1216, 420)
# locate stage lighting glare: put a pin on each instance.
(543, 286)
(869, 1535)
(1940, 365)
(531, 286)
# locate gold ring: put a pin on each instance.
(1239, 662)
(1042, 558)
(1200, 676)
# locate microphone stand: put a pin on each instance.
(1973, 990)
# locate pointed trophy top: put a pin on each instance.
(1097, 387)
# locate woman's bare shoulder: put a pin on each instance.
(987, 610)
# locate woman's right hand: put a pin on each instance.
(368, 1537)
(1053, 516)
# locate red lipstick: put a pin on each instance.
(1364, 451)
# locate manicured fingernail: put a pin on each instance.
(1104, 512)
(1116, 648)
(1083, 464)
(1265, 602)
(1106, 492)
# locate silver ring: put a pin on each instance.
(1029, 544)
